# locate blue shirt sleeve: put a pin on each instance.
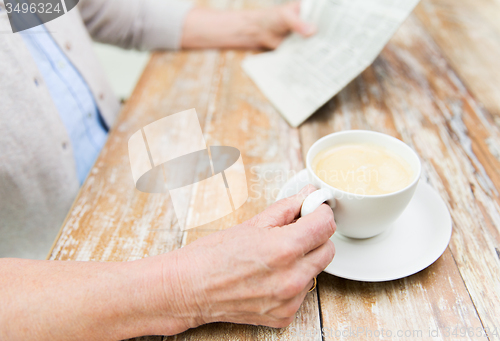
(72, 97)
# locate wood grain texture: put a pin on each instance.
(468, 33)
(111, 220)
(417, 90)
(241, 117)
(411, 92)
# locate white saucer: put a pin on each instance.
(413, 242)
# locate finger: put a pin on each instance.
(292, 305)
(272, 41)
(313, 230)
(284, 211)
(318, 259)
(259, 320)
(291, 16)
(308, 289)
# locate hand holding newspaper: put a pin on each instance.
(302, 74)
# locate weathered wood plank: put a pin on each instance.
(412, 93)
(427, 305)
(241, 117)
(468, 33)
(111, 220)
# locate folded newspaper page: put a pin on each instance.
(302, 74)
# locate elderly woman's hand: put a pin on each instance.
(255, 273)
(264, 28)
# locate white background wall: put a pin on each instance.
(122, 67)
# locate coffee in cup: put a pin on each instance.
(363, 207)
(362, 168)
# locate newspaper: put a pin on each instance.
(302, 74)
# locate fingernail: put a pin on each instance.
(308, 29)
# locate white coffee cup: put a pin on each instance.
(361, 216)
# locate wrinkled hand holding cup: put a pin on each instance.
(367, 178)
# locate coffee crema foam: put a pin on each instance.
(363, 169)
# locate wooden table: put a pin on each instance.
(436, 86)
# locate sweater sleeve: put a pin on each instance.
(136, 24)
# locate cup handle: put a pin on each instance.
(315, 199)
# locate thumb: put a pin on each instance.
(291, 16)
(284, 211)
